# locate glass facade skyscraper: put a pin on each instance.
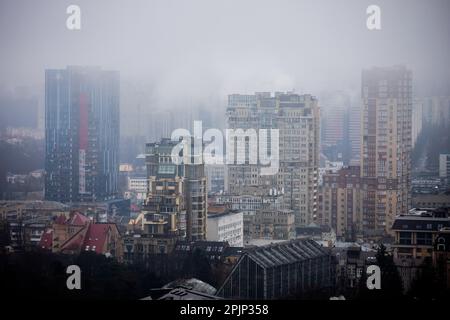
(82, 129)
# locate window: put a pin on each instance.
(405, 238)
(424, 238)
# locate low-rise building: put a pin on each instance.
(224, 224)
(415, 237)
(214, 250)
(27, 220)
(431, 201)
(77, 233)
(142, 248)
(322, 233)
(293, 268)
(352, 261)
(270, 223)
(441, 254)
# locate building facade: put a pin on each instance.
(341, 202)
(386, 147)
(416, 234)
(444, 168)
(270, 223)
(77, 233)
(297, 119)
(287, 269)
(417, 120)
(177, 194)
(335, 127)
(225, 225)
(82, 131)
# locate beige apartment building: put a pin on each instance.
(385, 147)
(297, 119)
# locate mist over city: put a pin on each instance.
(225, 150)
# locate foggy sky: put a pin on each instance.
(198, 50)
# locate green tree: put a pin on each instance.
(197, 265)
(429, 283)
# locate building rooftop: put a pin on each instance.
(216, 211)
(423, 219)
(179, 293)
(192, 284)
(286, 252)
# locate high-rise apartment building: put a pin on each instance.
(176, 203)
(340, 207)
(296, 117)
(164, 209)
(196, 198)
(436, 110)
(354, 130)
(386, 147)
(335, 127)
(417, 120)
(81, 134)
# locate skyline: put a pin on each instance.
(225, 150)
(173, 55)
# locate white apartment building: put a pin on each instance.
(225, 225)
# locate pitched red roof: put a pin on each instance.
(75, 242)
(46, 241)
(78, 219)
(61, 219)
(97, 236)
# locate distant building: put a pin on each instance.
(335, 126)
(386, 147)
(14, 210)
(82, 132)
(417, 120)
(265, 216)
(297, 118)
(225, 225)
(341, 202)
(249, 203)
(27, 220)
(431, 201)
(436, 110)
(444, 167)
(104, 209)
(354, 131)
(329, 167)
(270, 224)
(324, 234)
(287, 269)
(216, 177)
(137, 188)
(426, 185)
